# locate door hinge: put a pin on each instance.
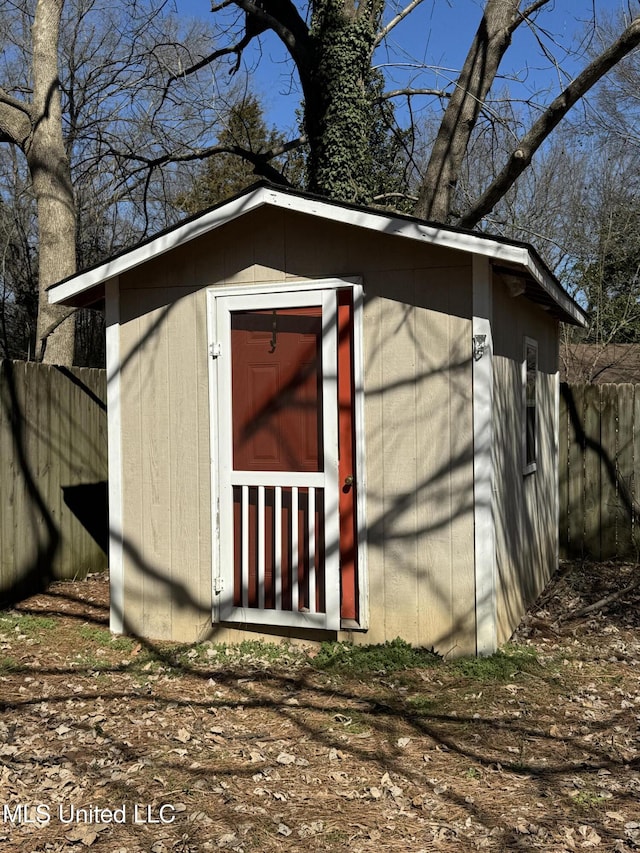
(218, 584)
(215, 350)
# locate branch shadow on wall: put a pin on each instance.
(389, 719)
(53, 434)
(599, 513)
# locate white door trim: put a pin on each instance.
(268, 290)
(326, 480)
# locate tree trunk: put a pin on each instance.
(478, 73)
(50, 173)
(338, 105)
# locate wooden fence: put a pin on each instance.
(600, 471)
(53, 475)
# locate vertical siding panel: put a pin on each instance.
(592, 484)
(439, 506)
(133, 490)
(181, 420)
(203, 589)
(428, 447)
(399, 460)
(373, 380)
(156, 474)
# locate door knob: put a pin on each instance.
(348, 481)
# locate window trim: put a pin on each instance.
(529, 461)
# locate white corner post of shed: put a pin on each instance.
(556, 451)
(116, 551)
(483, 466)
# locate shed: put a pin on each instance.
(328, 422)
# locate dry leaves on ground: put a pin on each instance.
(114, 745)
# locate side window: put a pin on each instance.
(529, 419)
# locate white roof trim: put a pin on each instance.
(380, 222)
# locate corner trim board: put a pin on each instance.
(114, 439)
(483, 467)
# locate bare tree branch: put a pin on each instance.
(259, 159)
(540, 130)
(384, 32)
(15, 119)
(526, 13)
(45, 334)
(386, 196)
(489, 45)
(398, 93)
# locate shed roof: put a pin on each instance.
(542, 286)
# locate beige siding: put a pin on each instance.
(417, 336)
(526, 515)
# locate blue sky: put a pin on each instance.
(428, 47)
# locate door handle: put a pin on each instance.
(348, 481)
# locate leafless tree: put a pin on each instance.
(80, 85)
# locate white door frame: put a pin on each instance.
(265, 295)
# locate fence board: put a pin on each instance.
(52, 439)
(574, 402)
(608, 457)
(592, 471)
(600, 474)
(625, 547)
(564, 430)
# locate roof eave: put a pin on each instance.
(68, 291)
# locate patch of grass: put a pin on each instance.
(588, 800)
(8, 665)
(248, 653)
(103, 638)
(392, 656)
(273, 653)
(26, 623)
(335, 836)
(350, 722)
(504, 665)
(87, 660)
(423, 704)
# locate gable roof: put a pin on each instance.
(541, 285)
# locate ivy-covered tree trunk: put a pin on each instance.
(338, 108)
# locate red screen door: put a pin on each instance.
(282, 539)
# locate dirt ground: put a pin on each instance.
(111, 744)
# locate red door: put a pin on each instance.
(287, 513)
